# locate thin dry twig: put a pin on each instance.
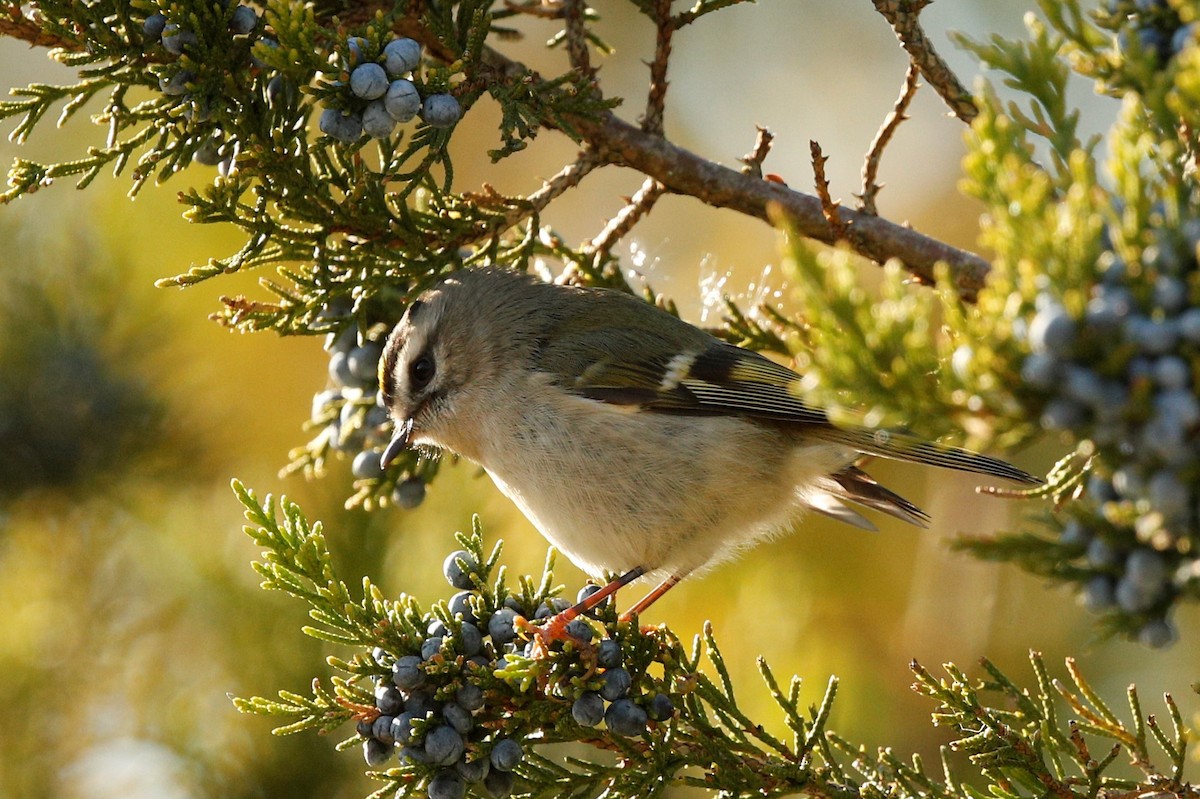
(870, 171)
(637, 207)
(567, 178)
(903, 16)
(577, 45)
(16, 25)
(537, 8)
(652, 122)
(753, 160)
(829, 207)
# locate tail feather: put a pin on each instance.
(905, 447)
(829, 503)
(854, 485)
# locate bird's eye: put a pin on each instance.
(420, 372)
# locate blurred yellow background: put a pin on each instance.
(129, 609)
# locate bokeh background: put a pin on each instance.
(128, 608)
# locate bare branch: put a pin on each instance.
(829, 207)
(577, 45)
(652, 122)
(638, 206)
(684, 172)
(870, 169)
(903, 15)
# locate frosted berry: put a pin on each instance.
(409, 493)
(153, 26)
(364, 359)
(580, 630)
(346, 128)
(407, 674)
(457, 569)
(177, 84)
(381, 728)
(506, 754)
(1102, 554)
(1099, 593)
(660, 708)
(1157, 634)
(1052, 330)
(460, 605)
(625, 718)
(470, 640)
(608, 654)
(470, 697)
(354, 47)
(500, 626)
(443, 745)
(375, 752)
(402, 728)
(616, 684)
(366, 465)
(377, 122)
(447, 785)
(431, 647)
(457, 717)
(413, 754)
(368, 81)
(243, 21)
(441, 111)
(402, 100)
(473, 771)
(209, 153)
(280, 92)
(588, 709)
(401, 56)
(498, 784)
(177, 40)
(551, 607)
(388, 699)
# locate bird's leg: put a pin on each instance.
(555, 627)
(652, 597)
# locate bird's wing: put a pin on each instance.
(677, 368)
(713, 378)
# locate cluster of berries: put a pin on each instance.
(1151, 27)
(351, 413)
(1121, 371)
(445, 704)
(180, 77)
(375, 93)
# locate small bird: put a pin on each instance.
(636, 443)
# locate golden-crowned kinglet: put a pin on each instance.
(635, 442)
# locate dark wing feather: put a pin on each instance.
(691, 372)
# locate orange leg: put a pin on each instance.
(650, 598)
(555, 627)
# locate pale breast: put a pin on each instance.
(614, 488)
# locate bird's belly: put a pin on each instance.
(614, 489)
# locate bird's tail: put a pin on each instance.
(905, 447)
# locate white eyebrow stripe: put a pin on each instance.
(678, 368)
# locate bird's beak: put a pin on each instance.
(398, 444)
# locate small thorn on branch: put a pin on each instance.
(870, 171)
(829, 207)
(753, 160)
